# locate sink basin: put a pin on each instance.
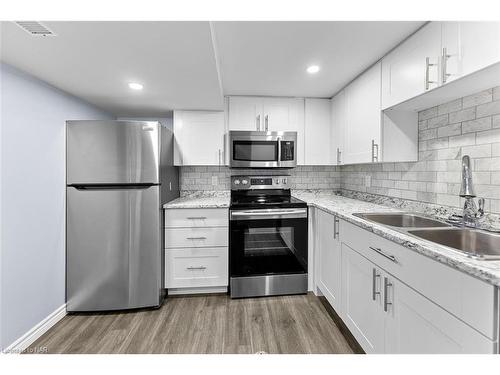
(402, 220)
(474, 243)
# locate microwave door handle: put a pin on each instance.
(279, 151)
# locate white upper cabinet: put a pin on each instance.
(318, 132)
(245, 113)
(413, 67)
(363, 118)
(199, 138)
(268, 114)
(468, 47)
(338, 126)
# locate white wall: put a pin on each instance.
(33, 116)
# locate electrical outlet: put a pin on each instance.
(215, 180)
(368, 181)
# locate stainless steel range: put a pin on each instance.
(268, 238)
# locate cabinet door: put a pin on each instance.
(317, 128)
(469, 46)
(329, 264)
(363, 117)
(415, 325)
(245, 113)
(199, 138)
(404, 69)
(361, 300)
(338, 126)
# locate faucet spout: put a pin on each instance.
(467, 189)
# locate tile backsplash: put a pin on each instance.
(466, 126)
(303, 177)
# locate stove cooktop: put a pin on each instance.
(265, 201)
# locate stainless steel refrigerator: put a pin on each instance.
(119, 174)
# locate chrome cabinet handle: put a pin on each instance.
(387, 284)
(381, 252)
(219, 157)
(196, 268)
(196, 217)
(279, 151)
(266, 122)
(374, 284)
(258, 122)
(374, 153)
(339, 153)
(444, 66)
(335, 227)
(196, 238)
(427, 66)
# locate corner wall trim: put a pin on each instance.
(36, 332)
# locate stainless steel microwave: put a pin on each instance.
(261, 149)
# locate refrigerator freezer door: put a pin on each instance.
(107, 152)
(113, 256)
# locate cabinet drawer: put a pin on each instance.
(196, 237)
(466, 297)
(204, 267)
(196, 217)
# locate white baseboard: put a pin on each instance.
(205, 290)
(36, 332)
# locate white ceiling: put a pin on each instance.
(176, 61)
(270, 58)
(95, 61)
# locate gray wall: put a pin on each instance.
(33, 116)
(466, 126)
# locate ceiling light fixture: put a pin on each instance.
(313, 69)
(135, 86)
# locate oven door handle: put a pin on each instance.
(263, 214)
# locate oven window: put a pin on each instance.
(265, 247)
(255, 150)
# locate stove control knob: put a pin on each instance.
(277, 181)
(236, 182)
(283, 181)
(244, 182)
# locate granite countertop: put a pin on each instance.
(202, 199)
(488, 271)
(327, 200)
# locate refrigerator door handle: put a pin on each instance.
(112, 186)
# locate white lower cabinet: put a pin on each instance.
(415, 325)
(362, 303)
(394, 300)
(328, 241)
(196, 250)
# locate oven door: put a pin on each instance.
(268, 242)
(250, 149)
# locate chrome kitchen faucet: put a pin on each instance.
(471, 213)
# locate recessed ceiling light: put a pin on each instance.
(312, 69)
(135, 86)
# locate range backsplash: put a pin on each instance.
(303, 177)
(466, 126)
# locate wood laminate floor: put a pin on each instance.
(203, 324)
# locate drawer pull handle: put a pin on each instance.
(196, 268)
(196, 238)
(197, 218)
(381, 252)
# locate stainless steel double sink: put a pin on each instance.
(474, 243)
